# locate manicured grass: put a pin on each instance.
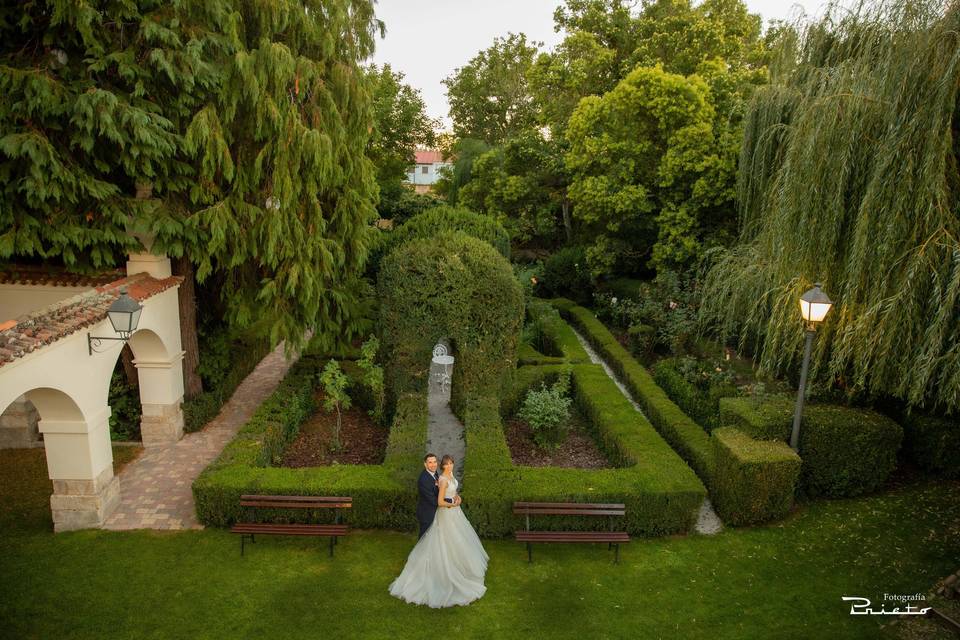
(780, 581)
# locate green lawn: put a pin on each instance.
(782, 581)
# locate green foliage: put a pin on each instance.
(685, 436)
(661, 493)
(547, 411)
(523, 185)
(400, 125)
(828, 433)
(565, 273)
(464, 152)
(877, 87)
(933, 443)
(489, 98)
(646, 166)
(335, 396)
(550, 335)
(754, 480)
(226, 358)
(447, 218)
(670, 304)
(125, 408)
(696, 386)
(455, 286)
(373, 377)
(406, 204)
(384, 495)
(249, 120)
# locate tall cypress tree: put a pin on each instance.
(249, 119)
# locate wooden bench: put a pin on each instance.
(611, 537)
(334, 531)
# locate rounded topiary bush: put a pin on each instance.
(454, 286)
(447, 218)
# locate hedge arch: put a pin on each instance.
(455, 286)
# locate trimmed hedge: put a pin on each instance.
(684, 435)
(702, 406)
(845, 451)
(933, 444)
(448, 219)
(527, 355)
(384, 495)
(754, 480)
(661, 492)
(455, 286)
(560, 342)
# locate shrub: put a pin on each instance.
(226, 358)
(372, 377)
(642, 339)
(684, 435)
(547, 411)
(565, 273)
(334, 385)
(550, 335)
(662, 494)
(696, 387)
(829, 436)
(933, 443)
(125, 407)
(444, 219)
(754, 480)
(450, 286)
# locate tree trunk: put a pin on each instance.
(129, 369)
(192, 384)
(567, 223)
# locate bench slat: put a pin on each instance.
(569, 504)
(296, 505)
(572, 536)
(570, 512)
(297, 498)
(292, 529)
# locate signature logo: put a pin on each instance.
(863, 606)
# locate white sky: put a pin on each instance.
(428, 39)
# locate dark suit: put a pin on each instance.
(427, 502)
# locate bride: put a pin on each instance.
(448, 564)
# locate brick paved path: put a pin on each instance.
(155, 488)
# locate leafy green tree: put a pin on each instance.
(334, 384)
(400, 125)
(489, 97)
(849, 176)
(248, 120)
(523, 185)
(463, 153)
(643, 159)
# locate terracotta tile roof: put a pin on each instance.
(47, 325)
(427, 156)
(36, 275)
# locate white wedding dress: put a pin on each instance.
(447, 566)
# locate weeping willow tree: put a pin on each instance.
(849, 175)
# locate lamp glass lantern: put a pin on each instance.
(124, 315)
(814, 307)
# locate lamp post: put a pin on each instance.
(814, 306)
(124, 314)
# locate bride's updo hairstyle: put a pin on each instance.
(444, 460)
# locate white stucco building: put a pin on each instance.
(54, 388)
(426, 169)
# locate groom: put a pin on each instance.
(429, 490)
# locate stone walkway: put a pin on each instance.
(155, 488)
(708, 522)
(444, 433)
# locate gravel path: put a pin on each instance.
(708, 522)
(444, 433)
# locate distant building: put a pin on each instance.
(426, 171)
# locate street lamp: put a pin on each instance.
(124, 314)
(814, 306)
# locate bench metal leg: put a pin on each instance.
(529, 553)
(333, 541)
(243, 539)
(617, 557)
